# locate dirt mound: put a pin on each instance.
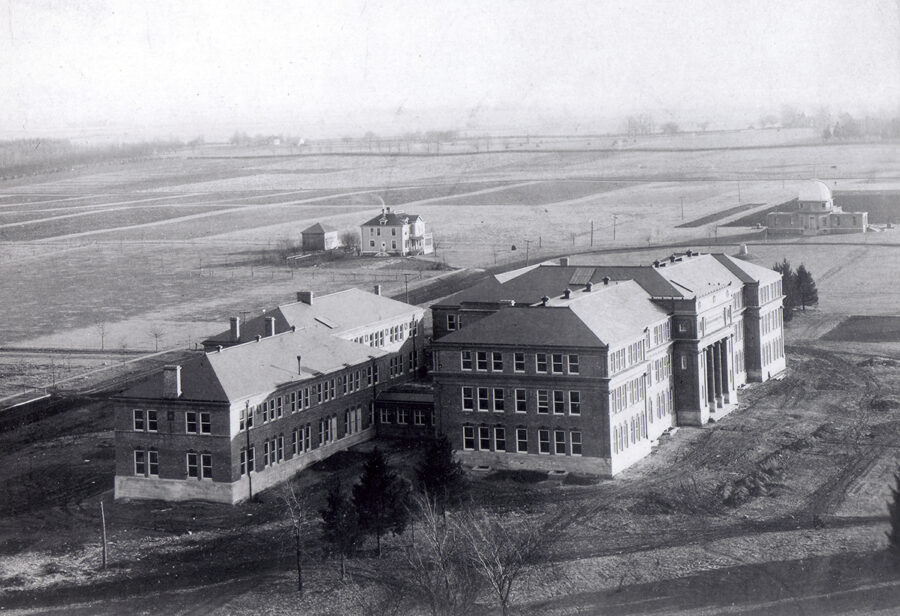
(760, 482)
(885, 404)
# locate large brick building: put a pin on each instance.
(252, 412)
(582, 368)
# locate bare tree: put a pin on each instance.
(350, 240)
(101, 329)
(439, 569)
(296, 509)
(502, 547)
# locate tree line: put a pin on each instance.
(798, 287)
(452, 554)
(22, 157)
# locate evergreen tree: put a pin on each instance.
(340, 525)
(806, 288)
(894, 515)
(440, 474)
(788, 287)
(380, 498)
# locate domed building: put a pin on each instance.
(816, 214)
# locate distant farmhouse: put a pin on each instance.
(583, 368)
(320, 237)
(816, 214)
(271, 396)
(395, 233)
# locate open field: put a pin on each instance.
(778, 509)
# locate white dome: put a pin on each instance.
(814, 191)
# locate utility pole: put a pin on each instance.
(527, 244)
(592, 233)
(406, 281)
(682, 208)
(103, 533)
(739, 192)
(615, 217)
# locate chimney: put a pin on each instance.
(605, 281)
(567, 294)
(270, 326)
(388, 209)
(258, 337)
(235, 329)
(672, 258)
(564, 261)
(299, 365)
(544, 300)
(305, 297)
(656, 263)
(377, 289)
(589, 287)
(172, 382)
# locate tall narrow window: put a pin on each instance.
(575, 436)
(499, 401)
(540, 363)
(138, 420)
(543, 401)
(484, 438)
(466, 360)
(559, 439)
(140, 462)
(573, 364)
(519, 362)
(544, 441)
(559, 402)
(468, 399)
(499, 439)
(481, 360)
(557, 363)
(575, 403)
(522, 440)
(468, 438)
(483, 399)
(521, 401)
(497, 361)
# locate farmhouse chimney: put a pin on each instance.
(270, 326)
(305, 297)
(544, 300)
(235, 329)
(377, 289)
(172, 382)
(564, 261)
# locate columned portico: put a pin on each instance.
(720, 390)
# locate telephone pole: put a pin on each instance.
(615, 217)
(592, 233)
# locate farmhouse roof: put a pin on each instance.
(337, 312)
(259, 367)
(814, 190)
(318, 229)
(392, 219)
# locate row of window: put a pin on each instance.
(773, 350)
(627, 356)
(627, 394)
(377, 231)
(494, 399)
(195, 422)
(197, 465)
(395, 333)
(493, 438)
(401, 416)
(663, 404)
(661, 333)
(661, 369)
(771, 321)
(307, 397)
(544, 363)
(629, 432)
(769, 291)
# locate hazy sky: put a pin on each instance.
(306, 66)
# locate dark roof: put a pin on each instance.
(318, 228)
(544, 326)
(553, 280)
(392, 219)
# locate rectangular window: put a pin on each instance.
(522, 440)
(280, 448)
(573, 364)
(293, 402)
(140, 462)
(521, 401)
(280, 406)
(499, 439)
(295, 442)
(419, 417)
(452, 323)
(484, 438)
(193, 464)
(402, 416)
(206, 466)
(138, 420)
(468, 399)
(499, 401)
(575, 435)
(519, 362)
(465, 360)
(385, 416)
(559, 439)
(318, 387)
(483, 399)
(481, 360)
(469, 438)
(543, 441)
(205, 425)
(497, 362)
(543, 401)
(557, 363)
(559, 402)
(575, 403)
(307, 439)
(152, 421)
(540, 363)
